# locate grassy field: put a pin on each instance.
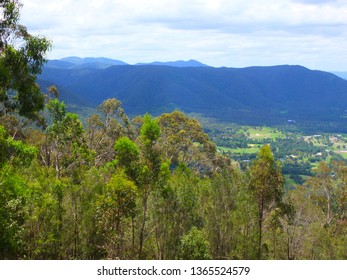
(262, 132)
(255, 133)
(299, 154)
(253, 149)
(288, 182)
(339, 145)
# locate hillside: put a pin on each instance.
(315, 100)
(342, 75)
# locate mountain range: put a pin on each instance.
(274, 95)
(74, 62)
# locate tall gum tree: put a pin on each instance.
(144, 164)
(22, 56)
(266, 183)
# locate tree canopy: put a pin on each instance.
(22, 56)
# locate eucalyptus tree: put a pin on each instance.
(66, 146)
(22, 56)
(115, 208)
(14, 155)
(104, 128)
(184, 141)
(145, 165)
(266, 183)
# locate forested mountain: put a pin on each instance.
(253, 95)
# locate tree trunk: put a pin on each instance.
(261, 216)
(145, 199)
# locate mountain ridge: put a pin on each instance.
(178, 63)
(269, 95)
(103, 63)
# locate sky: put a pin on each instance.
(231, 33)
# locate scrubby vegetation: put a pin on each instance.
(157, 188)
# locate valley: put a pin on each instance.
(299, 112)
(298, 153)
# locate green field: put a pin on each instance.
(251, 150)
(339, 145)
(262, 132)
(299, 154)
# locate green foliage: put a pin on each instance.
(126, 150)
(11, 213)
(266, 183)
(184, 141)
(194, 246)
(21, 58)
(44, 221)
(266, 177)
(62, 200)
(56, 110)
(150, 129)
(114, 206)
(15, 152)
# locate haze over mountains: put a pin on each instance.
(315, 100)
(74, 62)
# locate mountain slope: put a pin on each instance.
(253, 95)
(342, 75)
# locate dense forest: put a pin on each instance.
(156, 189)
(143, 188)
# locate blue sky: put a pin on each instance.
(233, 33)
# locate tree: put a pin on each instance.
(22, 56)
(65, 146)
(230, 216)
(266, 183)
(151, 167)
(302, 225)
(105, 128)
(113, 112)
(184, 141)
(43, 227)
(14, 152)
(144, 165)
(194, 246)
(14, 155)
(174, 209)
(323, 190)
(113, 206)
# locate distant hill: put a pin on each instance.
(315, 100)
(82, 63)
(179, 63)
(74, 62)
(342, 75)
(102, 60)
(65, 94)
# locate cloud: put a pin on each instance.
(315, 2)
(219, 32)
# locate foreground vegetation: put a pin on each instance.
(156, 189)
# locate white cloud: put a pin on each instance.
(218, 32)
